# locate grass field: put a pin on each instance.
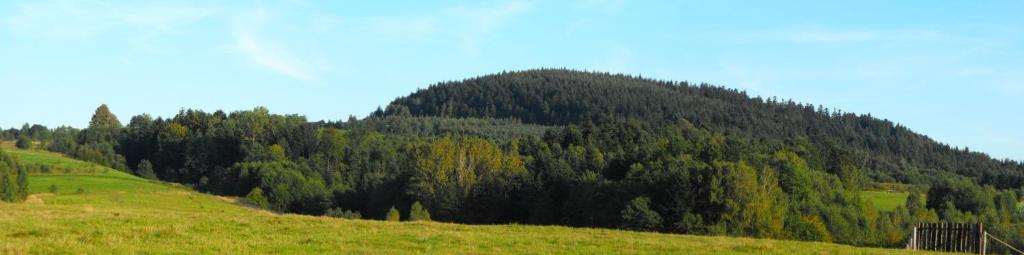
(119, 213)
(885, 201)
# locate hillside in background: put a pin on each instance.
(79, 207)
(569, 148)
(888, 152)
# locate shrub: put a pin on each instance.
(808, 228)
(23, 142)
(256, 198)
(53, 188)
(418, 213)
(393, 215)
(344, 214)
(145, 170)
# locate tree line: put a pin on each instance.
(657, 168)
(633, 175)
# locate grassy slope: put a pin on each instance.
(120, 213)
(885, 201)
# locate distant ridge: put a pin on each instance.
(889, 151)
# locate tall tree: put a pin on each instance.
(104, 119)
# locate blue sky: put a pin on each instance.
(949, 69)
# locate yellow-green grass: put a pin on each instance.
(57, 162)
(885, 201)
(123, 214)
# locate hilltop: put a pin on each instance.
(887, 151)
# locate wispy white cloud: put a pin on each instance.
(264, 52)
(487, 18)
(823, 35)
(481, 22)
(467, 25)
(272, 57)
(86, 19)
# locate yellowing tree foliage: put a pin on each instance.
(448, 169)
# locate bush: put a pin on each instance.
(344, 214)
(808, 228)
(23, 142)
(256, 198)
(53, 188)
(145, 170)
(393, 215)
(418, 213)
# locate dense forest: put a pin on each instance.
(562, 147)
(889, 152)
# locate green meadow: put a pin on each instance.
(885, 201)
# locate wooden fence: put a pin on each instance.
(948, 237)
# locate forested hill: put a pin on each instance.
(557, 147)
(887, 151)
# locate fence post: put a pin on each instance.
(913, 239)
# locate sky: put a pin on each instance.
(952, 70)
